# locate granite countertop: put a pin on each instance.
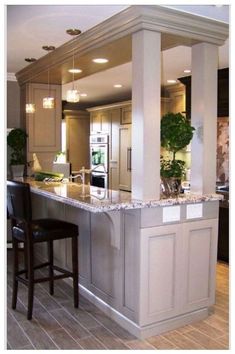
(96, 199)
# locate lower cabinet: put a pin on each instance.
(179, 261)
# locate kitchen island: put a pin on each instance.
(149, 265)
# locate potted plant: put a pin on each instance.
(176, 133)
(16, 140)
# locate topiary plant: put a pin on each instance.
(176, 133)
(16, 140)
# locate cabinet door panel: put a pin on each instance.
(77, 134)
(201, 246)
(95, 122)
(125, 158)
(126, 117)
(160, 280)
(44, 126)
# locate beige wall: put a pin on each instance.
(13, 104)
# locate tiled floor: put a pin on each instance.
(57, 325)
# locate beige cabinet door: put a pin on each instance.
(114, 149)
(77, 139)
(126, 115)
(44, 126)
(100, 121)
(125, 158)
(96, 124)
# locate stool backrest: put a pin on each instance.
(19, 201)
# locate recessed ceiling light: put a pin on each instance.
(48, 47)
(100, 60)
(117, 85)
(171, 81)
(83, 94)
(74, 71)
(73, 31)
(30, 60)
(187, 71)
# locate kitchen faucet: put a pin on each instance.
(82, 173)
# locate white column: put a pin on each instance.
(146, 104)
(204, 117)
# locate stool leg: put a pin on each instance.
(30, 279)
(25, 260)
(15, 270)
(75, 270)
(50, 259)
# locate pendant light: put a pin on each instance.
(48, 102)
(73, 95)
(30, 107)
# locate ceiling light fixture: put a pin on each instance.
(30, 107)
(75, 71)
(73, 31)
(117, 85)
(73, 95)
(48, 47)
(30, 60)
(100, 60)
(83, 94)
(187, 71)
(171, 81)
(48, 102)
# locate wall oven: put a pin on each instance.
(99, 149)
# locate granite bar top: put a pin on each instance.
(98, 200)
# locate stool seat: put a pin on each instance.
(46, 230)
(29, 231)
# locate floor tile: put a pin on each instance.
(63, 340)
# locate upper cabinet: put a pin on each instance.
(223, 93)
(44, 126)
(100, 121)
(176, 101)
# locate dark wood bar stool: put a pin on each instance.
(29, 231)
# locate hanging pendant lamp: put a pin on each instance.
(73, 95)
(30, 107)
(48, 102)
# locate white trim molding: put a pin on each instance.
(11, 77)
(177, 28)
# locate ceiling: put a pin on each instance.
(29, 27)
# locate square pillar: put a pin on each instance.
(146, 105)
(204, 117)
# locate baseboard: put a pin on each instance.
(145, 331)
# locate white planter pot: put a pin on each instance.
(17, 170)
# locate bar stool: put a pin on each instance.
(29, 231)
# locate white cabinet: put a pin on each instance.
(178, 273)
(125, 157)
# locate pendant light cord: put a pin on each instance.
(73, 69)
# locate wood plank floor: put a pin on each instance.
(57, 325)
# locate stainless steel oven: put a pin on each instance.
(99, 149)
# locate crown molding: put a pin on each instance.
(11, 77)
(177, 28)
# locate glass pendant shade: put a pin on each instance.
(30, 108)
(73, 96)
(48, 102)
